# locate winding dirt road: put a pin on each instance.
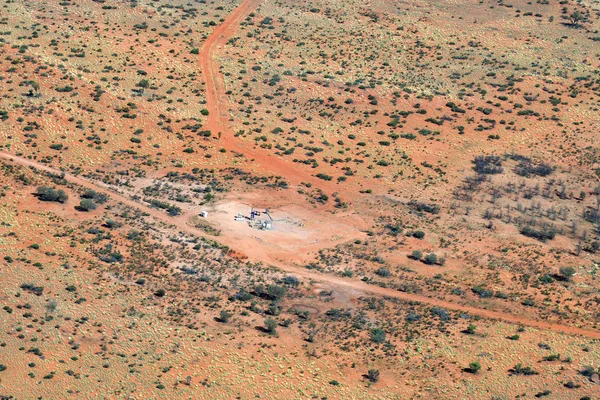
(218, 117)
(355, 287)
(218, 114)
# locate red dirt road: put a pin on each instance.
(342, 284)
(218, 118)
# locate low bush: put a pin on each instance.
(45, 193)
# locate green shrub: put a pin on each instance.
(378, 335)
(474, 367)
(373, 375)
(567, 272)
(87, 205)
(323, 176)
(431, 258)
(45, 193)
(521, 370)
(418, 234)
(224, 316)
(271, 326)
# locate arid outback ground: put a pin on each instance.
(431, 171)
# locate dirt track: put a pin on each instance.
(218, 118)
(338, 283)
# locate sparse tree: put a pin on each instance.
(576, 17)
(87, 205)
(373, 375)
(45, 193)
(378, 335)
(276, 292)
(143, 84)
(271, 326)
(224, 316)
(431, 258)
(567, 272)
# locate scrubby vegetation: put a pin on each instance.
(431, 172)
